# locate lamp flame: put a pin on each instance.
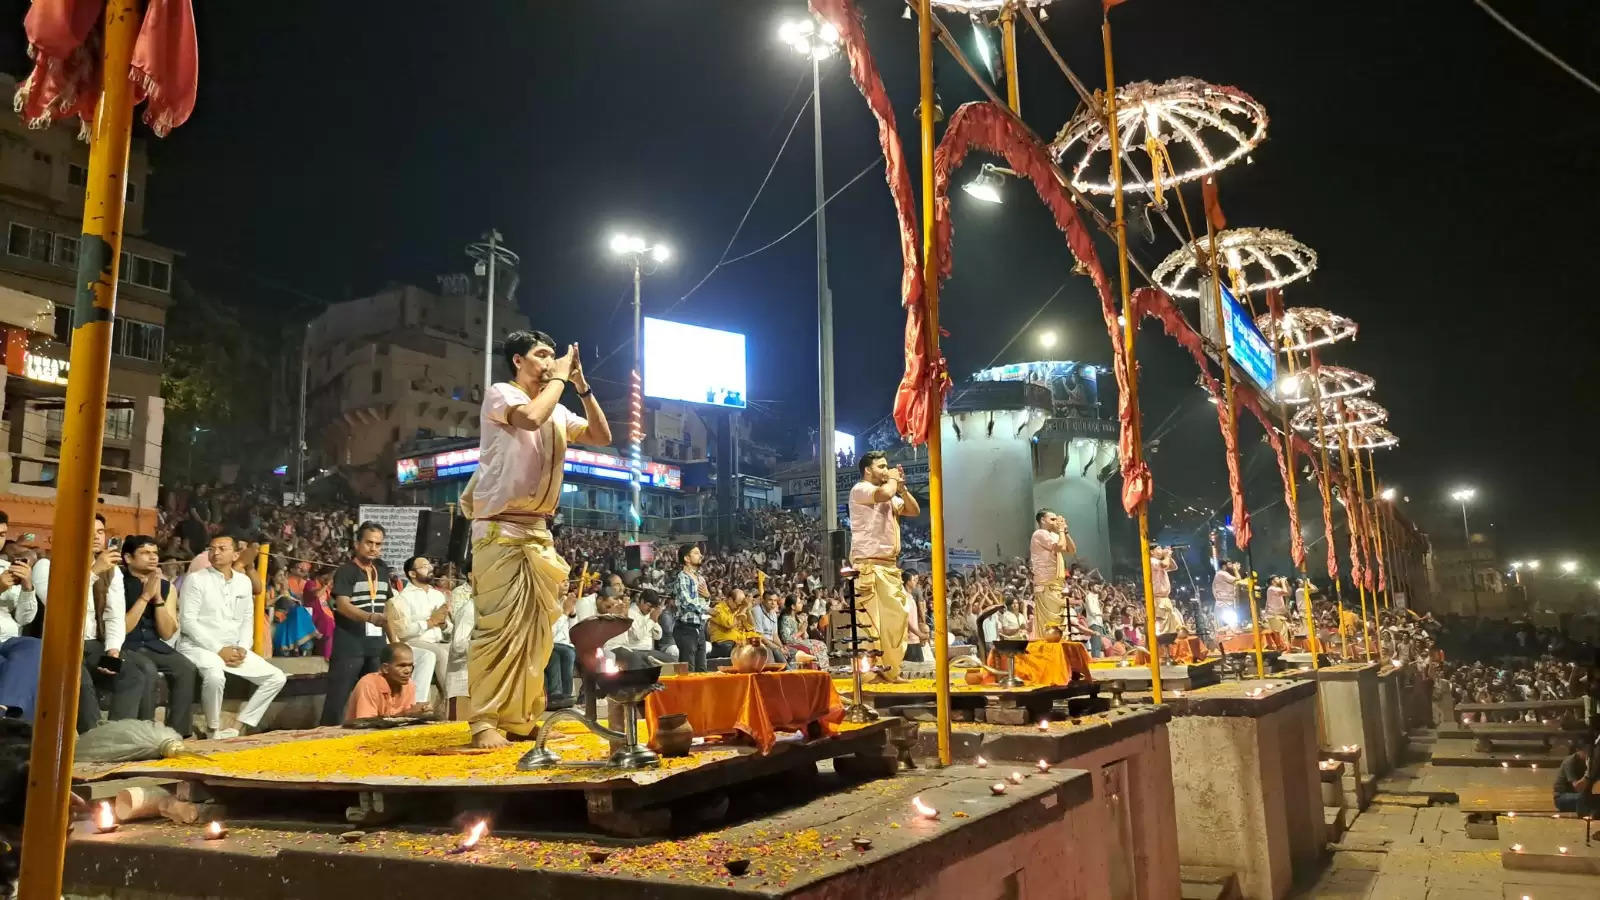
(475, 834)
(1044, 724)
(610, 667)
(998, 788)
(215, 831)
(923, 809)
(105, 820)
(1043, 766)
(982, 763)
(1016, 777)
(866, 666)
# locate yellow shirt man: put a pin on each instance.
(726, 625)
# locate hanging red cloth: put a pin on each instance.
(65, 39)
(1252, 401)
(985, 126)
(920, 397)
(1327, 527)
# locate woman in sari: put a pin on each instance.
(792, 632)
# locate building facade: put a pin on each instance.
(400, 366)
(42, 178)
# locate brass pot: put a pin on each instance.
(1053, 634)
(749, 657)
(974, 676)
(673, 735)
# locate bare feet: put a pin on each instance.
(490, 739)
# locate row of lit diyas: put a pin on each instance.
(105, 822)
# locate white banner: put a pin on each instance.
(399, 531)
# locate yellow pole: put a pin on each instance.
(1366, 539)
(1130, 329)
(1352, 516)
(1377, 530)
(263, 633)
(1325, 482)
(1294, 501)
(1008, 52)
(1227, 398)
(44, 834)
(930, 288)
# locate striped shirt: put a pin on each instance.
(693, 609)
(369, 591)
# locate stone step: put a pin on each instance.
(1208, 883)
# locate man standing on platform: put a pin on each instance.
(1050, 540)
(518, 578)
(361, 593)
(876, 504)
(1168, 621)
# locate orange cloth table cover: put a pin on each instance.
(1048, 662)
(1187, 650)
(757, 705)
(1246, 642)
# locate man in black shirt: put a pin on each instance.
(361, 589)
(152, 607)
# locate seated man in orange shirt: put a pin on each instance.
(388, 691)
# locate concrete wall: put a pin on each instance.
(988, 477)
(1075, 490)
(1247, 794)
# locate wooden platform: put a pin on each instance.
(1136, 679)
(804, 850)
(419, 774)
(983, 703)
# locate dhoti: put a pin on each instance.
(516, 595)
(881, 592)
(1168, 621)
(1048, 607)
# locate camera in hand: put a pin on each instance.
(110, 663)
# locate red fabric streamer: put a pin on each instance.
(1152, 302)
(1208, 194)
(65, 40)
(920, 396)
(1327, 529)
(1275, 305)
(1297, 542)
(987, 127)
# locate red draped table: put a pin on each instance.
(756, 706)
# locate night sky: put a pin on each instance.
(1437, 165)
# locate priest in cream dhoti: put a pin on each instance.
(876, 504)
(1050, 540)
(517, 576)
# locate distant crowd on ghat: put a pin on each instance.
(329, 594)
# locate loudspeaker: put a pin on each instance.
(634, 560)
(836, 554)
(433, 535)
(460, 541)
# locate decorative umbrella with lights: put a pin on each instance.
(1256, 259)
(1359, 437)
(1190, 128)
(1339, 415)
(1306, 328)
(1327, 382)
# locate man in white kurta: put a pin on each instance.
(518, 578)
(216, 625)
(418, 616)
(876, 504)
(1050, 540)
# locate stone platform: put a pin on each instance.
(1136, 679)
(1031, 842)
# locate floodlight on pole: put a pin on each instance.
(986, 184)
(1047, 339)
(818, 40)
(635, 250)
(1533, 564)
(1388, 494)
(1568, 566)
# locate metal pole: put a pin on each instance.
(1472, 574)
(1008, 51)
(47, 819)
(1352, 518)
(636, 413)
(300, 439)
(825, 419)
(1130, 329)
(488, 315)
(930, 287)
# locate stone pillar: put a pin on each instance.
(1351, 715)
(1391, 719)
(1246, 783)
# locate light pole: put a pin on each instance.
(1047, 339)
(489, 254)
(1463, 496)
(300, 437)
(818, 41)
(636, 251)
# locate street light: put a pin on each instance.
(1388, 494)
(1462, 496)
(634, 250)
(1533, 564)
(1047, 339)
(985, 185)
(817, 40)
(1568, 566)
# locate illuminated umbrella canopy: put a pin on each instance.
(1357, 412)
(1254, 258)
(1304, 328)
(1196, 128)
(1331, 383)
(1362, 437)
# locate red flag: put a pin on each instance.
(1107, 4)
(1208, 190)
(64, 39)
